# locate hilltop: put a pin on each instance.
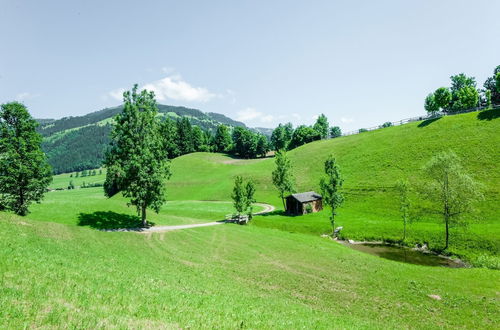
(371, 163)
(78, 143)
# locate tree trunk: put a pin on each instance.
(143, 216)
(332, 221)
(404, 229)
(447, 232)
(283, 200)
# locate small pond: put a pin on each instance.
(404, 254)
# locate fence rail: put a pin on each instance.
(425, 117)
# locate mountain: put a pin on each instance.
(79, 143)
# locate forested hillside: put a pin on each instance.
(78, 143)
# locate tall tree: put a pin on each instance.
(170, 138)
(335, 132)
(498, 82)
(451, 191)
(442, 97)
(302, 135)
(430, 104)
(222, 139)
(137, 163)
(282, 175)
(464, 94)
(243, 196)
(491, 85)
(185, 133)
(278, 139)
(403, 189)
(244, 142)
(198, 139)
(24, 171)
(321, 126)
(331, 186)
(262, 145)
(249, 198)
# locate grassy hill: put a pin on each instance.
(371, 163)
(57, 269)
(78, 143)
(228, 276)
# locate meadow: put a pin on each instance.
(89, 207)
(371, 164)
(57, 268)
(226, 276)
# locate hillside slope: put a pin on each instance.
(371, 163)
(78, 143)
(54, 275)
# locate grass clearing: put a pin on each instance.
(225, 276)
(89, 207)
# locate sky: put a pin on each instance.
(361, 63)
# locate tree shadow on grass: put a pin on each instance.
(428, 122)
(276, 212)
(489, 114)
(106, 220)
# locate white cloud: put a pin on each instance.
(117, 94)
(167, 69)
(174, 88)
(250, 114)
(25, 96)
(346, 120)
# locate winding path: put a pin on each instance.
(267, 209)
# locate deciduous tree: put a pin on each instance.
(24, 171)
(321, 126)
(442, 97)
(222, 139)
(137, 163)
(450, 191)
(430, 104)
(282, 175)
(243, 196)
(331, 186)
(335, 132)
(403, 189)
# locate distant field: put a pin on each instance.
(63, 180)
(371, 163)
(227, 276)
(89, 207)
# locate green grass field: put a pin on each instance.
(89, 207)
(63, 180)
(58, 270)
(229, 276)
(371, 163)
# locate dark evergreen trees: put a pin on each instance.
(24, 171)
(185, 132)
(222, 139)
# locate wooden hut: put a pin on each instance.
(303, 203)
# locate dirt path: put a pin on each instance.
(267, 209)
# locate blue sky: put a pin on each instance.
(360, 62)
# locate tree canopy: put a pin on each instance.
(451, 192)
(321, 126)
(24, 171)
(137, 164)
(331, 186)
(282, 175)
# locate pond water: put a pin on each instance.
(403, 254)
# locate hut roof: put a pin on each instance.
(306, 196)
